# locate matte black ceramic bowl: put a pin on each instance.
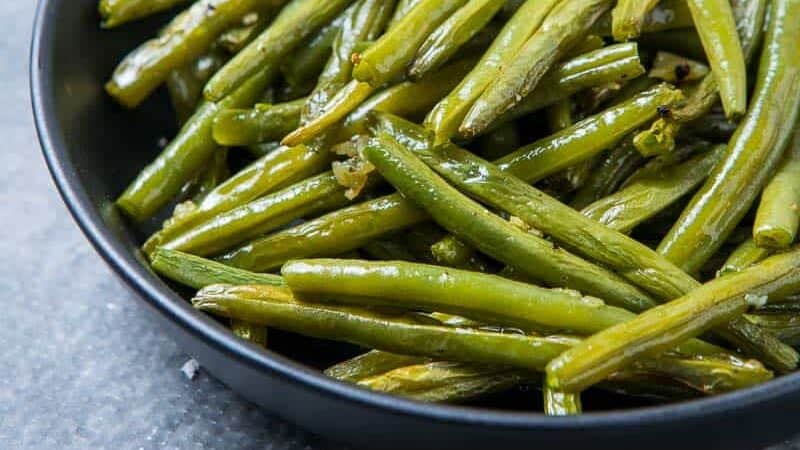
(94, 148)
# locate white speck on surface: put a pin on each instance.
(756, 300)
(190, 368)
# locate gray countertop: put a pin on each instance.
(81, 363)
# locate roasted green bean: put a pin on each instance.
(296, 21)
(778, 214)
(753, 153)
(263, 123)
(658, 329)
(118, 12)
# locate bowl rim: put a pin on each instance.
(177, 310)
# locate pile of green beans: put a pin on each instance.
(484, 195)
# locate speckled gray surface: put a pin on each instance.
(81, 364)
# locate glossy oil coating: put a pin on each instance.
(447, 116)
(660, 328)
(296, 21)
(753, 152)
(188, 36)
(263, 123)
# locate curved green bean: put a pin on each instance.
(566, 24)
(329, 235)
(660, 328)
(644, 198)
(778, 214)
(263, 123)
(187, 37)
(753, 153)
(489, 233)
(666, 15)
(448, 114)
(452, 34)
(296, 21)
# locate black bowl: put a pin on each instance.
(93, 148)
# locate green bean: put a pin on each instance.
(391, 54)
(356, 99)
(606, 178)
(185, 84)
(276, 170)
(448, 115)
(263, 215)
(559, 115)
(674, 68)
(263, 123)
(370, 364)
(187, 37)
(401, 9)
(628, 18)
(162, 180)
(558, 403)
(441, 381)
(264, 148)
(611, 64)
(451, 252)
(364, 23)
(754, 151)
(340, 105)
(649, 271)
(215, 174)
(329, 235)
(492, 235)
(644, 198)
(197, 273)
(745, 255)
(785, 327)
(500, 141)
(587, 137)
(716, 26)
(564, 26)
(296, 21)
(656, 165)
(667, 15)
(276, 307)
(778, 217)
(118, 12)
(660, 328)
(749, 18)
(452, 34)
(311, 57)
(235, 39)
(706, 374)
(481, 297)
(391, 248)
(409, 99)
